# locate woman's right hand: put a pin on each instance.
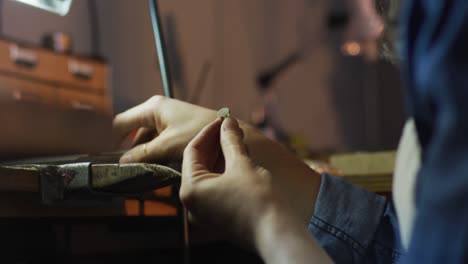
(165, 127)
(241, 201)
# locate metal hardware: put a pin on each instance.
(161, 48)
(19, 95)
(23, 57)
(80, 70)
(82, 106)
(86, 183)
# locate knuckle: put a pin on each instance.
(247, 163)
(234, 147)
(117, 117)
(143, 119)
(233, 138)
(264, 172)
(156, 99)
(237, 147)
(229, 138)
(188, 151)
(186, 195)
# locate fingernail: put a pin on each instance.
(125, 159)
(230, 124)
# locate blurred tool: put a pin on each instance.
(161, 48)
(95, 28)
(201, 82)
(266, 78)
(264, 116)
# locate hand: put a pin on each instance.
(240, 199)
(165, 125)
(234, 193)
(168, 125)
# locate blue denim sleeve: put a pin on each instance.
(354, 225)
(435, 43)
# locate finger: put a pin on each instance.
(203, 151)
(150, 152)
(144, 135)
(139, 116)
(198, 160)
(232, 143)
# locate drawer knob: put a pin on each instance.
(23, 57)
(80, 70)
(26, 97)
(82, 106)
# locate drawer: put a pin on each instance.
(84, 74)
(84, 101)
(49, 66)
(27, 91)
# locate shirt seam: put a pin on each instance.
(339, 234)
(384, 250)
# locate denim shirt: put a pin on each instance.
(356, 226)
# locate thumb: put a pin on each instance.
(232, 143)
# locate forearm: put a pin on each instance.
(281, 239)
(287, 170)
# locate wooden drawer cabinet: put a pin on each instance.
(83, 74)
(46, 77)
(68, 98)
(46, 65)
(27, 91)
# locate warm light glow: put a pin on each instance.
(60, 7)
(351, 48)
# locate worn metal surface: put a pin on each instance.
(132, 178)
(101, 158)
(56, 181)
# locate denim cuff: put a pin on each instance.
(346, 218)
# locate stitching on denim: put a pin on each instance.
(385, 251)
(347, 236)
(340, 234)
(387, 248)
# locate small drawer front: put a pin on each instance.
(90, 76)
(27, 91)
(84, 101)
(27, 62)
(48, 66)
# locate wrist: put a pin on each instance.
(271, 227)
(289, 172)
(281, 238)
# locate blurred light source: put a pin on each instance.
(60, 7)
(351, 48)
